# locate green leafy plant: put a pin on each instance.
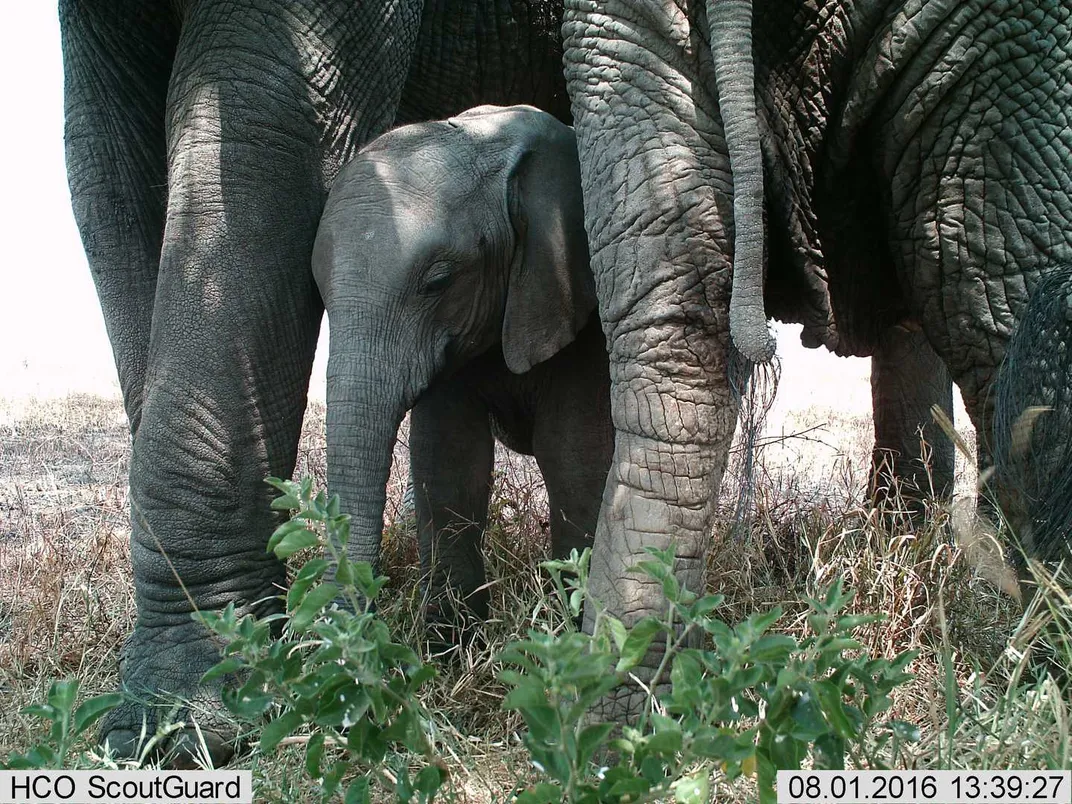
(729, 699)
(752, 701)
(335, 670)
(68, 724)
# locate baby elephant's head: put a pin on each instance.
(440, 240)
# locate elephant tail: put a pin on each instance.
(731, 47)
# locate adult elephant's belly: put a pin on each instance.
(498, 52)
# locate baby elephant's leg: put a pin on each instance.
(573, 439)
(452, 455)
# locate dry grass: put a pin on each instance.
(66, 598)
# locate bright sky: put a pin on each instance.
(51, 327)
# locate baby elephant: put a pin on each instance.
(453, 263)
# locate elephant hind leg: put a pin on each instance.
(911, 452)
(117, 60)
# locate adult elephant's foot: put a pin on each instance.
(161, 670)
(647, 506)
(452, 621)
(627, 702)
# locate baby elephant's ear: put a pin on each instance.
(550, 289)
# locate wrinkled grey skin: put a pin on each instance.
(918, 172)
(1033, 419)
(453, 264)
(912, 457)
(201, 141)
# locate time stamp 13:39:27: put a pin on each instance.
(924, 787)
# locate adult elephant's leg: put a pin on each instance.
(233, 336)
(452, 454)
(657, 198)
(117, 63)
(907, 380)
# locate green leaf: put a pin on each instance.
(654, 769)
(43, 711)
(759, 623)
(617, 630)
(542, 793)
(365, 739)
(663, 557)
(830, 752)
(542, 723)
(340, 701)
(528, 694)
(838, 645)
(223, 668)
(290, 537)
(288, 500)
(428, 781)
(358, 792)
(664, 742)
(250, 700)
(830, 700)
(277, 730)
(364, 577)
(692, 789)
(637, 643)
(576, 602)
(419, 675)
(765, 778)
(686, 673)
(808, 721)
(310, 573)
(344, 572)
(93, 709)
(590, 739)
(635, 788)
(311, 606)
(785, 752)
(18, 762)
(314, 755)
(62, 694)
(41, 756)
(851, 622)
(671, 588)
(773, 648)
(703, 607)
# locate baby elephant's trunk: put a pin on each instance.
(364, 412)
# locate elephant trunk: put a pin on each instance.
(731, 47)
(363, 415)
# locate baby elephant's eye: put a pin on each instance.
(437, 279)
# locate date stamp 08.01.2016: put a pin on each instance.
(924, 787)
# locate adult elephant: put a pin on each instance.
(888, 164)
(201, 138)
